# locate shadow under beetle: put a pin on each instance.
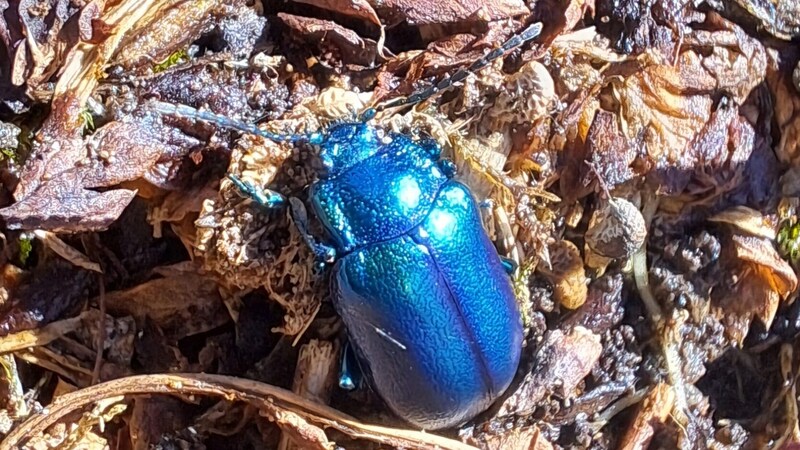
(427, 302)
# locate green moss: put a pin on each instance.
(25, 249)
(789, 241)
(87, 120)
(172, 60)
(9, 154)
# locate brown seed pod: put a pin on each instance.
(616, 229)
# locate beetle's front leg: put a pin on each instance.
(267, 198)
(270, 199)
(325, 254)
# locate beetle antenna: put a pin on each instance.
(222, 121)
(515, 41)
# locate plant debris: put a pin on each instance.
(638, 162)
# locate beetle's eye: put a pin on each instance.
(316, 138)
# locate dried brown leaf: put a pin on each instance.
(121, 152)
(736, 61)
(57, 148)
(58, 207)
(183, 304)
(354, 49)
(39, 336)
(66, 251)
(747, 220)
(786, 108)
(528, 438)
(669, 108)
(773, 270)
(54, 190)
(563, 361)
(781, 18)
(763, 280)
(159, 35)
(608, 151)
(567, 274)
(654, 410)
(45, 46)
(360, 9)
(432, 12)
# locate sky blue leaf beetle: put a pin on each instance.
(427, 302)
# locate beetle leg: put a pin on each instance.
(350, 371)
(270, 200)
(265, 197)
(487, 203)
(325, 254)
(508, 264)
(447, 167)
(431, 147)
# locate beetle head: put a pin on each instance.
(344, 145)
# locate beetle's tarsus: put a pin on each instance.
(324, 254)
(266, 198)
(508, 264)
(349, 372)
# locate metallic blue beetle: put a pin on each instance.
(428, 306)
(426, 300)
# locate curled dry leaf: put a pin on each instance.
(119, 151)
(159, 35)
(780, 18)
(38, 46)
(51, 193)
(181, 304)
(432, 12)
(770, 267)
(748, 221)
(567, 274)
(354, 49)
(607, 151)
(360, 9)
(763, 277)
(652, 411)
(784, 88)
(690, 134)
(562, 362)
